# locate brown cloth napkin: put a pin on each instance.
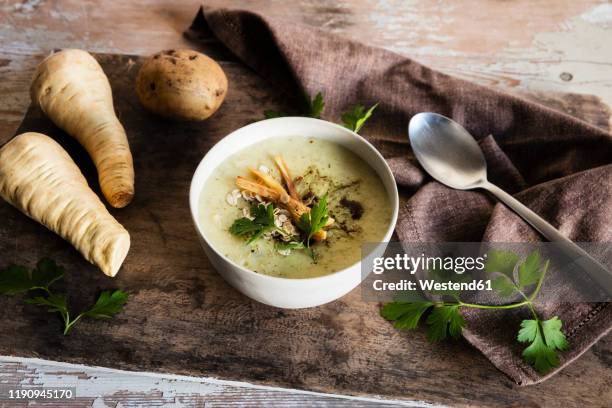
(556, 164)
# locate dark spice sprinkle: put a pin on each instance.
(355, 207)
(339, 187)
(192, 57)
(308, 196)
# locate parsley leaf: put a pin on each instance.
(355, 118)
(271, 114)
(405, 314)
(444, 320)
(15, 279)
(546, 338)
(315, 106)
(107, 305)
(312, 222)
(503, 285)
(244, 226)
(504, 262)
(46, 273)
(18, 279)
(54, 303)
(263, 214)
(529, 271)
(553, 335)
(262, 222)
(501, 261)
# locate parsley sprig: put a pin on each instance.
(545, 338)
(355, 118)
(261, 221)
(352, 119)
(314, 221)
(17, 279)
(315, 106)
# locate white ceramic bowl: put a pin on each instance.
(284, 292)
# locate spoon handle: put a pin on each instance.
(596, 270)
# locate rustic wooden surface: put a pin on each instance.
(557, 56)
(183, 318)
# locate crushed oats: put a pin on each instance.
(232, 198)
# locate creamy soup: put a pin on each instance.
(356, 200)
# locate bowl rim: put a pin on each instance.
(393, 195)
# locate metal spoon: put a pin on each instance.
(451, 155)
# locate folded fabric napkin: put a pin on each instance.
(554, 163)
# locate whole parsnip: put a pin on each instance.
(73, 91)
(40, 179)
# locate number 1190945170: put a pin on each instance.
(38, 393)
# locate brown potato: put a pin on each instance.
(181, 84)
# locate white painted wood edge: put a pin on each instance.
(28, 361)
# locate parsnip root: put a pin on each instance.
(286, 175)
(39, 178)
(72, 90)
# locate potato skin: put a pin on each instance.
(181, 84)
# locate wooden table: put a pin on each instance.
(554, 51)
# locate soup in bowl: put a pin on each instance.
(284, 206)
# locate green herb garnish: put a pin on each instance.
(355, 118)
(445, 319)
(18, 279)
(312, 222)
(262, 222)
(315, 106)
(271, 114)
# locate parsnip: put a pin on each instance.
(39, 178)
(73, 91)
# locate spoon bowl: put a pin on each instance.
(447, 151)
